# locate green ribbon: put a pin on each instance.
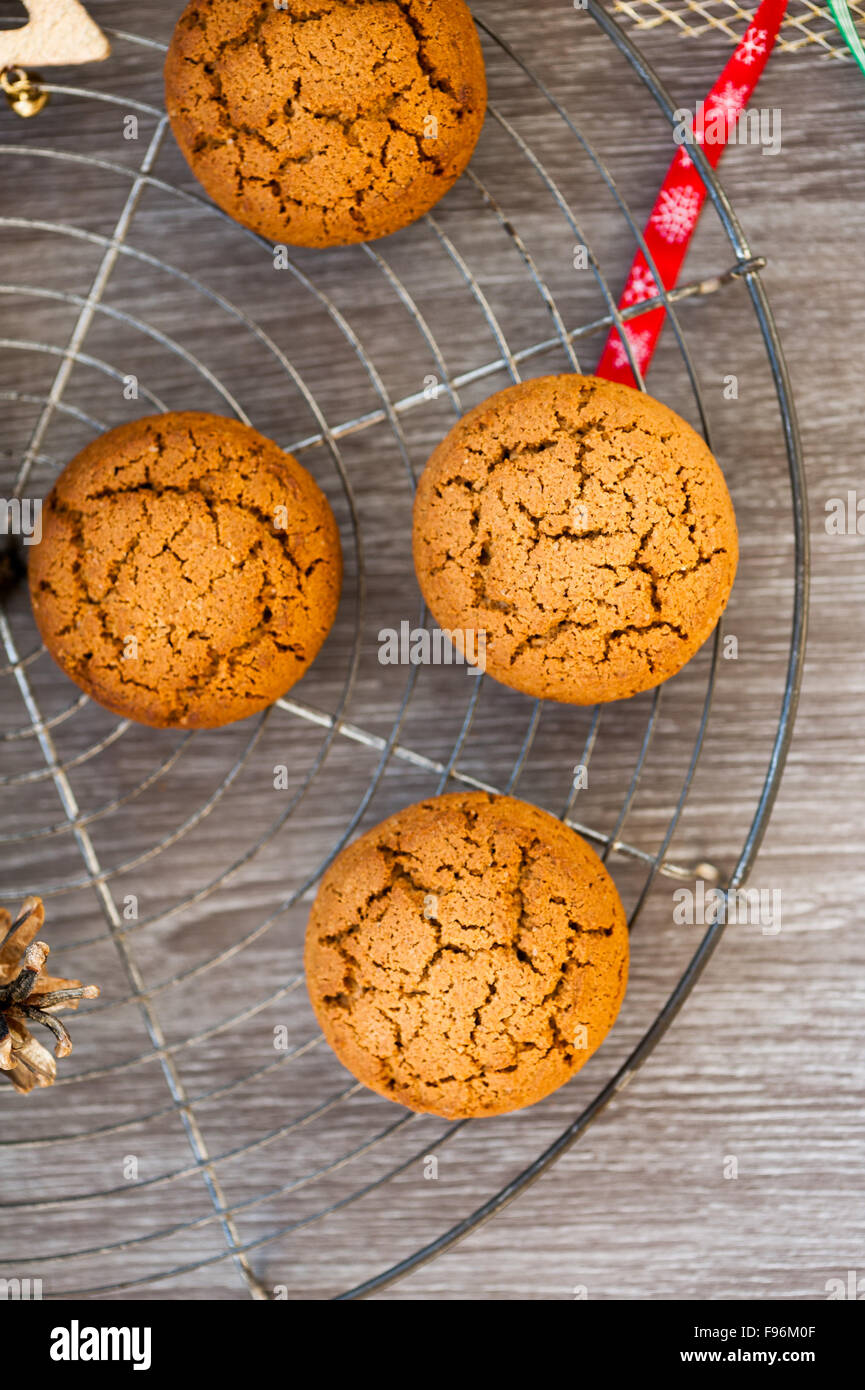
(841, 14)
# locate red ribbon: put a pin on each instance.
(677, 208)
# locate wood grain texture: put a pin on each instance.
(765, 1064)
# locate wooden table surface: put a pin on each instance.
(731, 1167)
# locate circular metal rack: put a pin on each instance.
(240, 1226)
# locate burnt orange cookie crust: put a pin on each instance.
(467, 956)
(327, 122)
(585, 529)
(188, 571)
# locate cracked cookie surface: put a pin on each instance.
(188, 572)
(466, 956)
(585, 528)
(326, 122)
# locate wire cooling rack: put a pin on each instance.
(202, 1141)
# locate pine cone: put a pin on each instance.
(27, 996)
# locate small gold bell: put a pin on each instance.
(23, 93)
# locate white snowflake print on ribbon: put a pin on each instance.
(641, 285)
(677, 212)
(730, 100)
(641, 346)
(753, 44)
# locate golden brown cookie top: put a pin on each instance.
(330, 122)
(467, 956)
(189, 570)
(585, 528)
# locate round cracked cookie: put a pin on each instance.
(467, 956)
(585, 529)
(188, 570)
(328, 123)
